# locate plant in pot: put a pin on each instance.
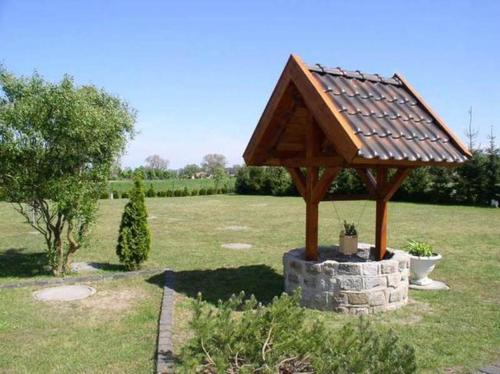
(348, 240)
(422, 262)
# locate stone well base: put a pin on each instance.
(348, 284)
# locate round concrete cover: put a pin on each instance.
(237, 246)
(64, 293)
(235, 228)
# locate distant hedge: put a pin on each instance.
(151, 192)
(476, 182)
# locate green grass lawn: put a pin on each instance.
(457, 330)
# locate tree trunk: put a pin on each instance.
(58, 269)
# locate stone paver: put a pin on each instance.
(434, 286)
(164, 358)
(491, 369)
(78, 267)
(86, 278)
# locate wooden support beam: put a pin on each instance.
(392, 186)
(324, 183)
(318, 161)
(347, 197)
(381, 217)
(368, 180)
(298, 180)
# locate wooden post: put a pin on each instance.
(381, 216)
(312, 209)
(312, 150)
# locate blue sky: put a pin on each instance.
(200, 72)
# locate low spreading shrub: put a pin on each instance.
(194, 192)
(185, 192)
(104, 195)
(116, 195)
(210, 191)
(178, 193)
(125, 195)
(242, 336)
(203, 191)
(170, 193)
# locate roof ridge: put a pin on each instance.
(355, 74)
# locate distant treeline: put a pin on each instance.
(477, 182)
(172, 187)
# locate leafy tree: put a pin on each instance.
(155, 162)
(58, 142)
(134, 239)
(279, 182)
(189, 171)
(212, 162)
(220, 176)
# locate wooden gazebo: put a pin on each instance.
(320, 120)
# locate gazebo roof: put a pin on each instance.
(365, 119)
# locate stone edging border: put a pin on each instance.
(82, 279)
(165, 347)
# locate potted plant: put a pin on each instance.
(348, 240)
(422, 262)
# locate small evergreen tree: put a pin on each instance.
(134, 239)
(492, 169)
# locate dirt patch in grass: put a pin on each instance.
(104, 305)
(113, 301)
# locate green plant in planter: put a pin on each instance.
(350, 229)
(418, 248)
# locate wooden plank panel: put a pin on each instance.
(331, 121)
(265, 119)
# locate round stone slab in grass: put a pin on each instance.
(236, 246)
(64, 293)
(235, 228)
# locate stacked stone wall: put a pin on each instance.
(358, 287)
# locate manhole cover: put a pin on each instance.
(64, 293)
(237, 246)
(235, 228)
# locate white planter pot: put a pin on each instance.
(421, 267)
(348, 244)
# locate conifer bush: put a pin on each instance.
(242, 336)
(134, 239)
(151, 191)
(194, 192)
(170, 193)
